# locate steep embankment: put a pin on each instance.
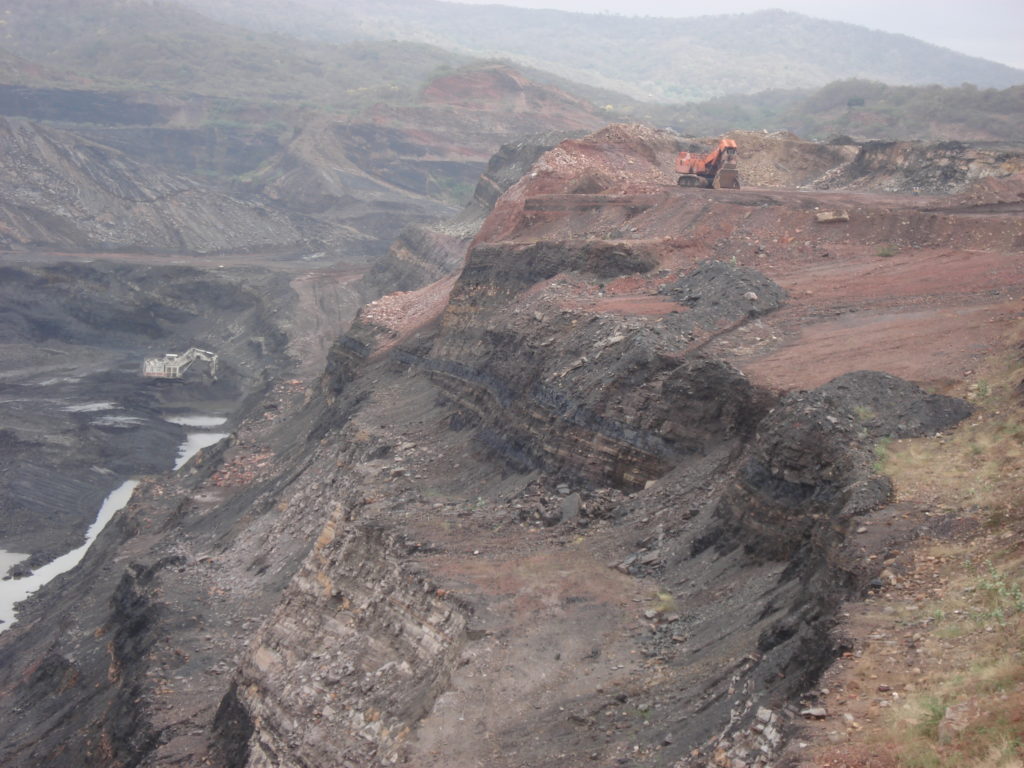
(424, 254)
(561, 512)
(413, 163)
(62, 191)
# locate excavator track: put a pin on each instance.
(691, 180)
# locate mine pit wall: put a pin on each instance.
(420, 255)
(798, 491)
(357, 652)
(424, 253)
(948, 166)
(607, 400)
(500, 378)
(796, 474)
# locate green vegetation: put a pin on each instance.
(901, 112)
(1001, 597)
(882, 112)
(881, 454)
(864, 413)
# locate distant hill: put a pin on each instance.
(877, 111)
(656, 59)
(858, 108)
(168, 48)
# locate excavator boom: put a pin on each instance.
(172, 366)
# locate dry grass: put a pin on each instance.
(979, 622)
(957, 686)
(981, 463)
(663, 602)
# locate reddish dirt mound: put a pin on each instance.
(500, 88)
(400, 314)
(916, 286)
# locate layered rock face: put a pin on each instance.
(419, 164)
(423, 254)
(553, 516)
(67, 192)
(596, 394)
(354, 672)
(905, 166)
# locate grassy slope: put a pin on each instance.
(943, 644)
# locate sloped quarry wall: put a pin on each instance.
(423, 253)
(759, 492)
(357, 651)
(606, 397)
(797, 493)
(755, 495)
(903, 166)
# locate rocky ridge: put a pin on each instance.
(67, 192)
(563, 518)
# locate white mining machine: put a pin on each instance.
(172, 366)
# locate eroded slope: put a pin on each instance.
(567, 515)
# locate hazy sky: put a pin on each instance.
(991, 29)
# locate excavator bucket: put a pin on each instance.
(728, 177)
(728, 174)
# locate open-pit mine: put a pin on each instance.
(589, 479)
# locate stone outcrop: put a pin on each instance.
(928, 167)
(358, 650)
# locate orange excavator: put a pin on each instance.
(718, 169)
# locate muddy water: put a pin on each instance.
(15, 590)
(196, 441)
(197, 421)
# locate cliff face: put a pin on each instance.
(903, 166)
(423, 254)
(554, 511)
(62, 191)
(415, 164)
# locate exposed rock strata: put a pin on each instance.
(903, 166)
(363, 647)
(446, 517)
(422, 254)
(64, 191)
